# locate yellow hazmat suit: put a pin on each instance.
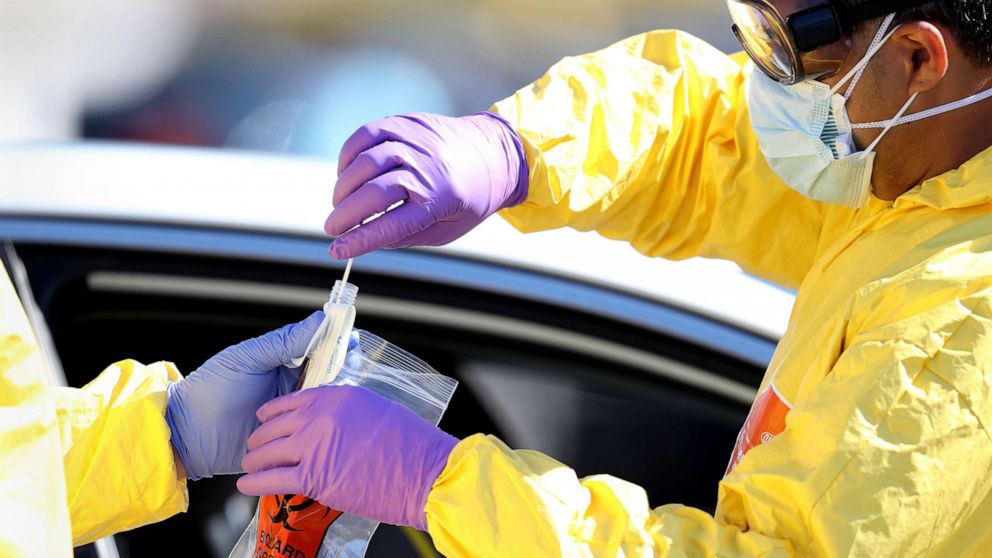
(78, 464)
(869, 436)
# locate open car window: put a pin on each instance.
(629, 387)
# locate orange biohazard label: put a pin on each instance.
(291, 526)
(765, 421)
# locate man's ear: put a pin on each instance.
(922, 51)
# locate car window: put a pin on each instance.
(600, 396)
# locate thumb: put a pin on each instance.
(276, 348)
(390, 228)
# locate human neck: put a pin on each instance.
(926, 149)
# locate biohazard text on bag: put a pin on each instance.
(291, 526)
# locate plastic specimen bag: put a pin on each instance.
(294, 526)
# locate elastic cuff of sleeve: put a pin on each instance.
(522, 186)
(445, 446)
(176, 439)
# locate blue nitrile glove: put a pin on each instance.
(211, 412)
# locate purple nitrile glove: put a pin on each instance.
(450, 174)
(349, 449)
(211, 412)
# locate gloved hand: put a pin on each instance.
(211, 412)
(349, 449)
(451, 173)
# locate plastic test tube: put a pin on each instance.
(328, 358)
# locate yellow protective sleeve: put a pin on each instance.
(78, 464)
(650, 141)
(890, 455)
(119, 468)
(491, 501)
(33, 516)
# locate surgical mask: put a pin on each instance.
(807, 138)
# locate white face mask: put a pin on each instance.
(806, 136)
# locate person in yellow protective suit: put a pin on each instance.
(847, 155)
(79, 464)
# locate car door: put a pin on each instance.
(601, 379)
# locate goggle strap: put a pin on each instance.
(852, 15)
(916, 116)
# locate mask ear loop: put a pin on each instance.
(881, 37)
(935, 111)
(891, 123)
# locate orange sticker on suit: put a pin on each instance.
(765, 421)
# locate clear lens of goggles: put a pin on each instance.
(764, 39)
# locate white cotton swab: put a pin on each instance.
(344, 280)
(328, 357)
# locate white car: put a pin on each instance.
(562, 342)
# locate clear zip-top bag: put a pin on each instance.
(294, 526)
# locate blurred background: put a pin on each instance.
(297, 77)
(294, 76)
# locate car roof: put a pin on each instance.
(289, 195)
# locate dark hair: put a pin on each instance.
(970, 21)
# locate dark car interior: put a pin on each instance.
(598, 414)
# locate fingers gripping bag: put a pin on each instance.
(294, 526)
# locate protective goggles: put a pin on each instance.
(803, 39)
